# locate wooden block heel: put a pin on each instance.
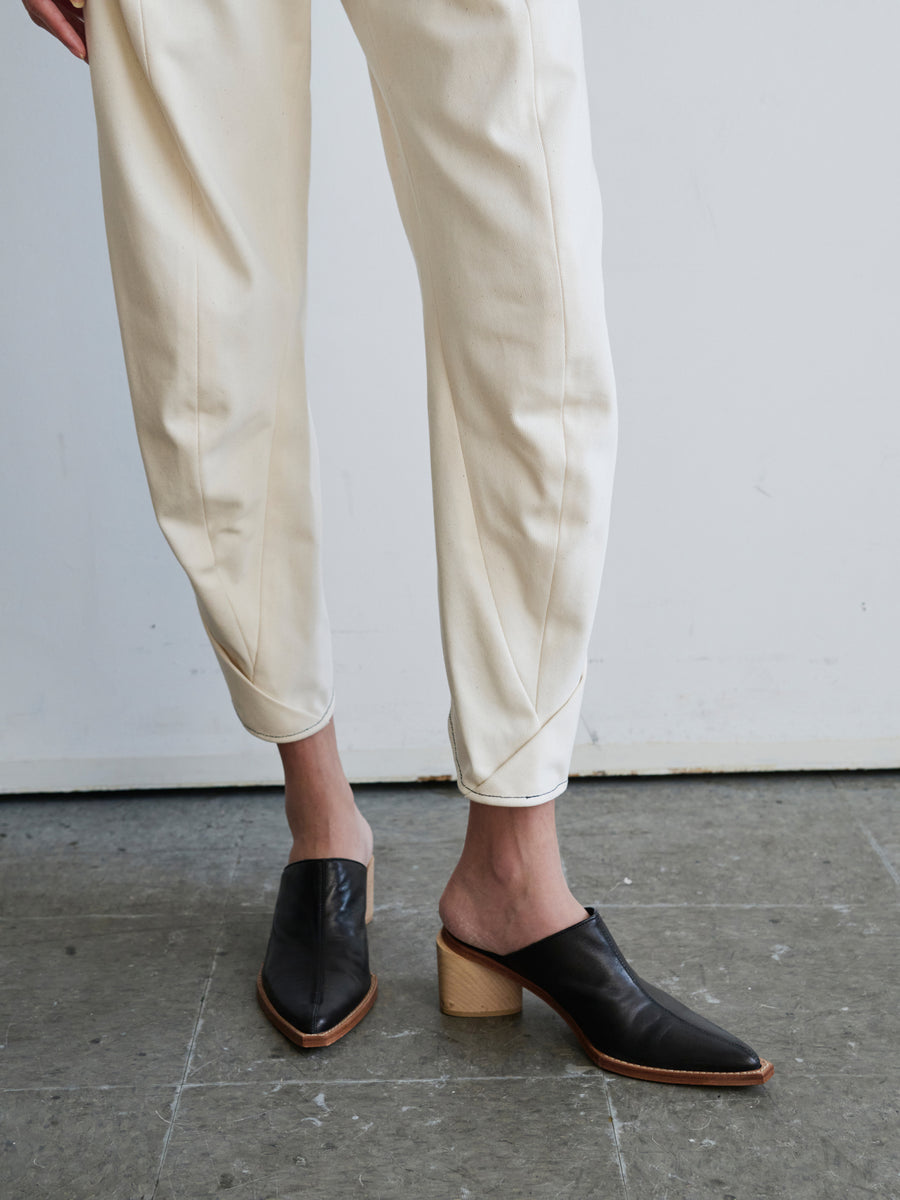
(469, 989)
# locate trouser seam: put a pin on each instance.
(265, 527)
(193, 190)
(200, 490)
(144, 43)
(287, 333)
(565, 340)
(437, 319)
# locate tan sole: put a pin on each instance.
(468, 979)
(310, 1040)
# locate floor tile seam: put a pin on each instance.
(389, 906)
(220, 910)
(316, 1082)
(195, 1033)
(403, 909)
(880, 853)
(254, 912)
(174, 1104)
(826, 905)
(615, 1127)
(114, 853)
(88, 1087)
(313, 1081)
(112, 916)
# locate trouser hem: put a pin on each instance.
(299, 736)
(265, 716)
(525, 801)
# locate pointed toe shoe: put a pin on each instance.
(624, 1024)
(315, 984)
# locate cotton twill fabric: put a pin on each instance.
(203, 117)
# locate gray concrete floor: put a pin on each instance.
(135, 1063)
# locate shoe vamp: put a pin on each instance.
(315, 989)
(625, 1018)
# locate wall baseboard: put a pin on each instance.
(258, 768)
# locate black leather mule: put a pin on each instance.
(624, 1024)
(315, 983)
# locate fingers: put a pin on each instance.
(62, 18)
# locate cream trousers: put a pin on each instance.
(203, 120)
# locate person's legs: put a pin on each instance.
(203, 123)
(508, 888)
(483, 111)
(321, 812)
(484, 116)
(203, 128)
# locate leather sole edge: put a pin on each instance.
(617, 1066)
(327, 1037)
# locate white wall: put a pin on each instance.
(748, 620)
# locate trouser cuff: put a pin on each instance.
(267, 718)
(512, 801)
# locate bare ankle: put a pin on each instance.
(352, 839)
(320, 807)
(508, 889)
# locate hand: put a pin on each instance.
(64, 19)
